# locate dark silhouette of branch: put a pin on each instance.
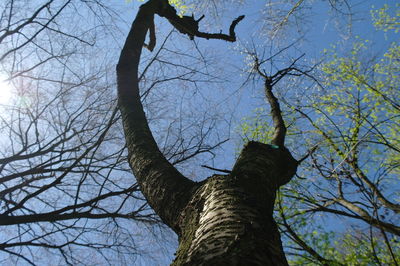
(299, 241)
(278, 138)
(216, 169)
(185, 24)
(230, 38)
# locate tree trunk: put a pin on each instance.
(229, 218)
(224, 220)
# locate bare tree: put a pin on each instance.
(225, 218)
(67, 193)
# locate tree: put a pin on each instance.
(67, 194)
(350, 126)
(226, 219)
(64, 185)
(63, 189)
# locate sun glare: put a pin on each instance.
(5, 90)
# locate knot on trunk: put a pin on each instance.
(266, 164)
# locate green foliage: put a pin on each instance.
(256, 128)
(365, 94)
(383, 20)
(361, 249)
(180, 5)
(355, 120)
(350, 249)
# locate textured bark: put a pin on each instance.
(224, 220)
(165, 189)
(229, 219)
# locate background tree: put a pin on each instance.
(350, 125)
(56, 52)
(60, 169)
(66, 190)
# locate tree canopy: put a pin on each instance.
(351, 126)
(67, 192)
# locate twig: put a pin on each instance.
(216, 169)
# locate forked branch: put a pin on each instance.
(187, 25)
(278, 138)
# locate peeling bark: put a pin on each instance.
(224, 220)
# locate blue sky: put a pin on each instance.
(228, 98)
(320, 31)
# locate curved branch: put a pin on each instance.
(280, 129)
(230, 38)
(166, 190)
(299, 241)
(279, 124)
(190, 26)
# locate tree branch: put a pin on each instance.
(166, 190)
(189, 26)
